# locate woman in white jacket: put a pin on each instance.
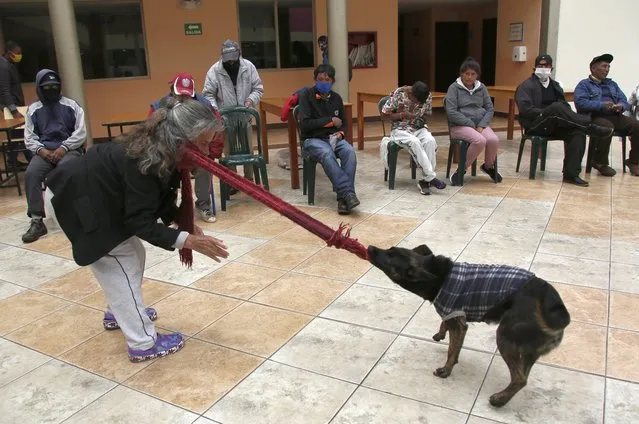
(233, 81)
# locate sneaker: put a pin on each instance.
(455, 179)
(424, 187)
(206, 215)
(632, 167)
(110, 323)
(351, 201)
(342, 209)
(492, 173)
(438, 184)
(604, 170)
(36, 230)
(165, 344)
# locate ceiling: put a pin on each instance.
(408, 5)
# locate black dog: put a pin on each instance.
(530, 312)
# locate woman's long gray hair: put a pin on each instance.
(157, 143)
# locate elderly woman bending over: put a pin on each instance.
(112, 198)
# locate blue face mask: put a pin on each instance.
(323, 87)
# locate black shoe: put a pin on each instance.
(600, 131)
(351, 201)
(233, 191)
(342, 209)
(36, 230)
(492, 173)
(604, 170)
(455, 179)
(424, 187)
(632, 167)
(576, 181)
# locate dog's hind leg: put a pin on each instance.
(441, 335)
(457, 328)
(519, 366)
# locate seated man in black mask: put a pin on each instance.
(54, 132)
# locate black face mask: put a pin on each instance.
(231, 67)
(50, 94)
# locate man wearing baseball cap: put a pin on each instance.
(183, 85)
(233, 81)
(543, 111)
(602, 99)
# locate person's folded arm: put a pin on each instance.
(307, 123)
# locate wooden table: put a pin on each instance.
(6, 126)
(508, 92)
(371, 97)
(274, 105)
(123, 120)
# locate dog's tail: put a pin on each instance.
(551, 311)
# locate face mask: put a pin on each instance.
(543, 73)
(323, 87)
(16, 57)
(51, 95)
(231, 66)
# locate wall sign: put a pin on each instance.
(193, 29)
(516, 32)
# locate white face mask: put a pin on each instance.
(543, 73)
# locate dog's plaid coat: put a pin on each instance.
(472, 289)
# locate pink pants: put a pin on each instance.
(478, 141)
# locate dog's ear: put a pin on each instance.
(423, 250)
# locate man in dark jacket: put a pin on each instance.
(322, 125)
(54, 132)
(543, 111)
(11, 95)
(602, 99)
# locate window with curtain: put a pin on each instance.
(110, 35)
(277, 34)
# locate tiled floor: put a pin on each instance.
(290, 331)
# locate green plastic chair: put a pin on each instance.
(462, 146)
(237, 124)
(538, 150)
(308, 169)
(393, 152)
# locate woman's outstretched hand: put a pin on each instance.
(210, 246)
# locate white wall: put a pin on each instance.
(588, 28)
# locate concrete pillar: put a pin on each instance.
(67, 50)
(338, 44)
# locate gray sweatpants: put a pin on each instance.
(120, 274)
(202, 189)
(36, 172)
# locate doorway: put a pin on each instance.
(451, 48)
(488, 51)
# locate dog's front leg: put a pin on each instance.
(441, 335)
(457, 328)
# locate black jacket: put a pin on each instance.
(529, 99)
(102, 199)
(10, 89)
(316, 114)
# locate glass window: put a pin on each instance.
(272, 28)
(110, 36)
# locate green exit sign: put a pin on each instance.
(193, 29)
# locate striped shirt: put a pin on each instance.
(471, 290)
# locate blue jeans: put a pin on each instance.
(342, 176)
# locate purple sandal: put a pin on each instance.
(165, 344)
(110, 323)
